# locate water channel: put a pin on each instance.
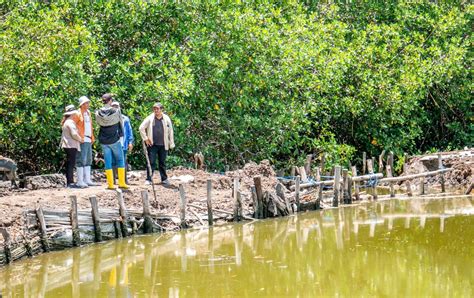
(417, 247)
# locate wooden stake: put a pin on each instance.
(123, 214)
(182, 196)
(370, 169)
(6, 245)
(390, 160)
(76, 235)
(356, 184)
(323, 162)
(304, 177)
(440, 166)
(147, 221)
(349, 190)
(293, 171)
(381, 161)
(407, 182)
(389, 175)
(210, 218)
(235, 191)
(297, 193)
(320, 189)
(258, 189)
(42, 228)
(345, 186)
(364, 162)
(96, 219)
(422, 186)
(337, 182)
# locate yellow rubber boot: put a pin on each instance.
(121, 178)
(109, 174)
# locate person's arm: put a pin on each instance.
(129, 134)
(171, 135)
(74, 132)
(142, 130)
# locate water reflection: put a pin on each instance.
(412, 247)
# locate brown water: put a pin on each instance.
(398, 248)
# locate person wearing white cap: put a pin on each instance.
(70, 142)
(84, 159)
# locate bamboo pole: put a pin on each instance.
(414, 176)
(96, 219)
(182, 196)
(76, 235)
(297, 193)
(337, 180)
(147, 221)
(123, 213)
(210, 219)
(356, 184)
(42, 228)
(440, 167)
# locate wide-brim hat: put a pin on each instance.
(83, 100)
(69, 110)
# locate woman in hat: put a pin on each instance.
(70, 142)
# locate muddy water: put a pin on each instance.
(414, 248)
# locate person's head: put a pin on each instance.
(84, 103)
(107, 98)
(158, 109)
(68, 112)
(115, 104)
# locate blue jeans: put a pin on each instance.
(113, 154)
(84, 157)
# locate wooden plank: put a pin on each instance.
(123, 213)
(182, 196)
(297, 193)
(337, 180)
(76, 235)
(210, 217)
(42, 228)
(96, 219)
(147, 221)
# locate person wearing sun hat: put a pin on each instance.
(70, 142)
(86, 131)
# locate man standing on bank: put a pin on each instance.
(157, 133)
(110, 122)
(84, 157)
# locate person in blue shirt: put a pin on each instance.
(127, 139)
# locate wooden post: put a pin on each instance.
(337, 184)
(182, 196)
(147, 221)
(297, 193)
(307, 164)
(123, 213)
(42, 228)
(258, 189)
(422, 185)
(349, 190)
(235, 191)
(345, 194)
(6, 245)
(293, 171)
(440, 166)
(370, 169)
(407, 182)
(390, 175)
(390, 160)
(364, 162)
(320, 189)
(322, 165)
(356, 184)
(76, 235)
(210, 218)
(381, 161)
(303, 175)
(255, 201)
(96, 219)
(240, 211)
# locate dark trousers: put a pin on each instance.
(154, 152)
(70, 163)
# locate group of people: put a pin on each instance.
(116, 139)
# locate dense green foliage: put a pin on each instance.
(242, 81)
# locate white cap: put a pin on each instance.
(83, 100)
